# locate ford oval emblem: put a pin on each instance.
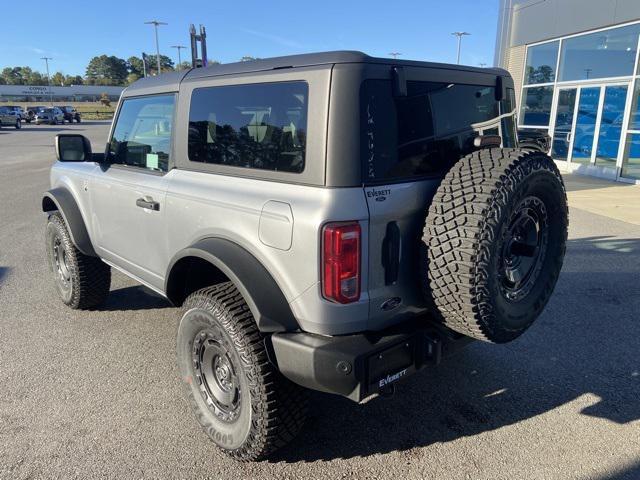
(381, 198)
(391, 304)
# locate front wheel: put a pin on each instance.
(82, 281)
(18, 124)
(495, 236)
(241, 401)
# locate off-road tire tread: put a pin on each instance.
(90, 276)
(279, 406)
(460, 228)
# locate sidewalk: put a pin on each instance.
(603, 197)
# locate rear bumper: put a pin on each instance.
(358, 366)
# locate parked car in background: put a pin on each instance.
(51, 115)
(70, 114)
(31, 113)
(18, 110)
(10, 118)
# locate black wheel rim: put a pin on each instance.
(523, 250)
(217, 376)
(61, 262)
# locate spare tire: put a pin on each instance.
(495, 237)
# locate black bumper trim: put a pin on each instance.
(357, 366)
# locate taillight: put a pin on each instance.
(341, 262)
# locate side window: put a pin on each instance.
(260, 126)
(142, 135)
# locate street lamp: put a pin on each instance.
(46, 61)
(155, 24)
(459, 35)
(179, 47)
(395, 54)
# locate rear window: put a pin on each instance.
(426, 132)
(259, 126)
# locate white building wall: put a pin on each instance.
(515, 60)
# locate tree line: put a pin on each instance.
(101, 70)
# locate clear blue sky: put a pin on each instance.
(420, 29)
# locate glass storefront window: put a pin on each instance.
(564, 122)
(585, 124)
(631, 162)
(536, 106)
(541, 63)
(634, 121)
(611, 125)
(609, 53)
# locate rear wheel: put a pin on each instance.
(241, 401)
(82, 281)
(18, 124)
(495, 236)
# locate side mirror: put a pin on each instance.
(73, 148)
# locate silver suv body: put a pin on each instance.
(330, 221)
(276, 212)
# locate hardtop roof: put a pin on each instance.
(168, 82)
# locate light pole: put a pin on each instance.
(482, 65)
(395, 54)
(178, 47)
(46, 61)
(459, 35)
(155, 24)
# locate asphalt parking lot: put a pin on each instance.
(96, 394)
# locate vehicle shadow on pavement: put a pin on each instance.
(631, 472)
(133, 298)
(3, 273)
(45, 129)
(581, 355)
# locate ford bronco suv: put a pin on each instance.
(328, 221)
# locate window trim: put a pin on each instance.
(171, 162)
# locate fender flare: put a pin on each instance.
(62, 200)
(264, 297)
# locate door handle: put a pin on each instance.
(148, 202)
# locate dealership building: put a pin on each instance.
(74, 93)
(576, 71)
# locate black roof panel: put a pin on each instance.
(171, 81)
(311, 59)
